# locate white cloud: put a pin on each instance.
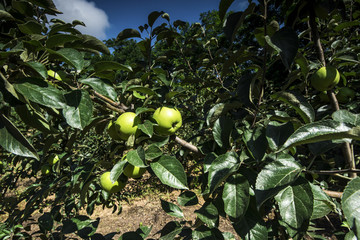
(95, 19)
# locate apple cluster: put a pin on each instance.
(167, 121)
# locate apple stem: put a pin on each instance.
(346, 148)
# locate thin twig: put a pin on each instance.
(333, 194)
(186, 144)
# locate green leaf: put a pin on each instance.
(223, 7)
(153, 152)
(222, 167)
(12, 140)
(286, 43)
(79, 109)
(320, 131)
(47, 4)
(251, 226)
(345, 116)
(137, 157)
(275, 176)
(153, 16)
(101, 86)
(39, 68)
(170, 230)
(205, 233)
(141, 110)
(117, 170)
(39, 91)
(131, 236)
(4, 15)
(209, 214)
(33, 118)
(58, 40)
(141, 89)
(323, 204)
(296, 206)
(236, 196)
(298, 103)
(277, 133)
(46, 221)
(256, 142)
(89, 43)
(147, 128)
(128, 33)
(104, 66)
(31, 27)
(170, 172)
(222, 130)
(171, 209)
(69, 55)
(351, 205)
(187, 198)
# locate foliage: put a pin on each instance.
(274, 159)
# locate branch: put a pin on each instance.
(111, 102)
(186, 144)
(333, 193)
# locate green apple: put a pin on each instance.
(111, 129)
(132, 171)
(108, 186)
(54, 158)
(45, 169)
(168, 120)
(325, 78)
(126, 125)
(345, 94)
(53, 74)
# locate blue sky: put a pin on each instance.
(106, 18)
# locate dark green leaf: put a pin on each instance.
(296, 206)
(170, 172)
(117, 170)
(298, 103)
(222, 167)
(323, 204)
(223, 7)
(31, 27)
(58, 40)
(345, 116)
(141, 89)
(131, 236)
(153, 16)
(101, 86)
(153, 152)
(46, 221)
(350, 204)
(187, 198)
(170, 230)
(128, 33)
(256, 142)
(104, 66)
(69, 55)
(33, 118)
(277, 133)
(137, 157)
(274, 177)
(40, 92)
(209, 214)
(147, 128)
(236, 195)
(6, 16)
(79, 109)
(222, 130)
(47, 4)
(171, 209)
(39, 68)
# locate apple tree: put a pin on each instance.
(275, 156)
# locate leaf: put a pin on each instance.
(141, 89)
(4, 15)
(171, 209)
(12, 140)
(147, 128)
(223, 7)
(298, 103)
(277, 133)
(58, 40)
(256, 142)
(31, 27)
(46, 221)
(69, 55)
(187, 198)
(209, 214)
(296, 206)
(128, 33)
(39, 68)
(101, 86)
(275, 176)
(323, 204)
(351, 205)
(153, 152)
(153, 16)
(88, 42)
(141, 110)
(222, 130)
(286, 42)
(170, 172)
(79, 109)
(47, 4)
(222, 167)
(320, 131)
(117, 170)
(236, 196)
(131, 236)
(137, 157)
(39, 91)
(103, 66)
(170, 230)
(33, 118)
(345, 116)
